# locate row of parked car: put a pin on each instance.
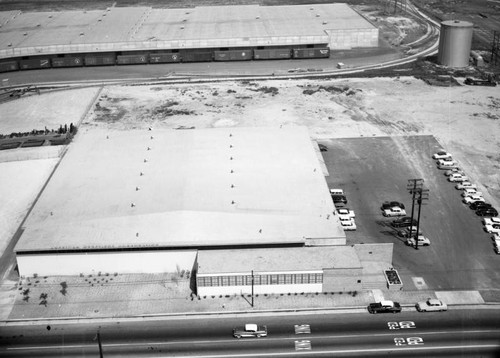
(386, 306)
(470, 195)
(346, 215)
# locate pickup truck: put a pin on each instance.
(394, 211)
(384, 307)
(250, 330)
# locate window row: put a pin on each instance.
(246, 280)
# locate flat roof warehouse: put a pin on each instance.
(168, 188)
(144, 28)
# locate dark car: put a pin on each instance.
(486, 212)
(391, 204)
(403, 222)
(384, 307)
(339, 199)
(479, 204)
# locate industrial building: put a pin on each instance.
(146, 201)
(132, 30)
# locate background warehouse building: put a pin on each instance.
(143, 201)
(132, 30)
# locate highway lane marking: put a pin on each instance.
(236, 341)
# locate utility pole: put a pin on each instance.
(252, 288)
(414, 186)
(98, 337)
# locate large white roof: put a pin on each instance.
(183, 188)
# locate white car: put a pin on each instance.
(457, 177)
(394, 211)
(348, 225)
(406, 231)
(465, 185)
(346, 213)
(441, 155)
(473, 199)
(431, 305)
(470, 192)
(454, 170)
(336, 192)
(422, 241)
(446, 161)
(491, 221)
(492, 228)
(496, 241)
(447, 166)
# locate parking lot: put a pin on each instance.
(374, 170)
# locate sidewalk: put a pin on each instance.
(113, 296)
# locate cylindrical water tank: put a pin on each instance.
(455, 43)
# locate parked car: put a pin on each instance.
(250, 331)
(491, 212)
(446, 161)
(406, 232)
(339, 199)
(470, 192)
(384, 307)
(394, 211)
(465, 185)
(431, 305)
(336, 192)
(447, 166)
(496, 240)
(391, 204)
(472, 199)
(456, 177)
(479, 204)
(441, 155)
(491, 221)
(492, 228)
(403, 222)
(454, 170)
(346, 213)
(348, 224)
(479, 82)
(497, 250)
(422, 241)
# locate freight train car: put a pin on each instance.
(233, 55)
(135, 59)
(67, 61)
(272, 54)
(320, 52)
(196, 56)
(7, 66)
(34, 63)
(101, 59)
(164, 57)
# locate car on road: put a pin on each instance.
(384, 307)
(339, 199)
(391, 204)
(406, 232)
(491, 212)
(394, 211)
(456, 177)
(348, 224)
(431, 305)
(465, 185)
(492, 228)
(403, 222)
(479, 205)
(346, 213)
(441, 155)
(422, 241)
(470, 192)
(250, 330)
(472, 199)
(454, 170)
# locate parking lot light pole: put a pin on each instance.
(423, 194)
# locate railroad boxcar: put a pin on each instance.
(196, 56)
(7, 66)
(272, 54)
(136, 59)
(320, 52)
(164, 57)
(67, 61)
(100, 59)
(233, 55)
(34, 63)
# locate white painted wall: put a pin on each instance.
(110, 262)
(259, 289)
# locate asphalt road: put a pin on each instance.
(458, 332)
(374, 170)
